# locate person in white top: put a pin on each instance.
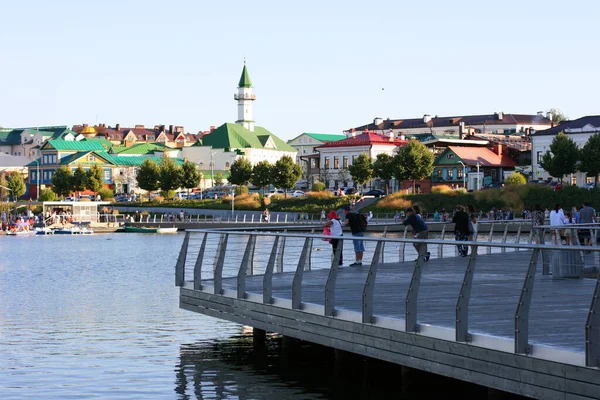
(557, 218)
(335, 227)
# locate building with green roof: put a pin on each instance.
(223, 145)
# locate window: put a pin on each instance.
(45, 159)
(345, 162)
(451, 156)
(450, 174)
(122, 172)
(539, 157)
(354, 158)
(45, 176)
(326, 162)
(573, 180)
(439, 173)
(459, 173)
(589, 179)
(336, 162)
(91, 157)
(227, 166)
(107, 175)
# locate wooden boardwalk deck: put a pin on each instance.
(558, 311)
(545, 359)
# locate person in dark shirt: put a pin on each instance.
(461, 230)
(353, 220)
(420, 230)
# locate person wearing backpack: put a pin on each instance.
(355, 222)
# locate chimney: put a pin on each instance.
(540, 113)
(212, 128)
(499, 149)
(139, 127)
(426, 118)
(171, 129)
(377, 121)
(118, 127)
(85, 125)
(500, 116)
(549, 115)
(461, 130)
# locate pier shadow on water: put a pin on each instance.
(286, 368)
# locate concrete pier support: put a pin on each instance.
(259, 338)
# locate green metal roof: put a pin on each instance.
(141, 148)
(10, 136)
(326, 137)
(135, 161)
(82, 145)
(235, 136)
(245, 78)
(104, 142)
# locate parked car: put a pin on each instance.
(121, 198)
(589, 186)
(375, 193)
(278, 192)
(71, 198)
(350, 191)
(493, 185)
(555, 185)
(298, 193)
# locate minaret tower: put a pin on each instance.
(245, 97)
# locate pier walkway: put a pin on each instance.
(497, 318)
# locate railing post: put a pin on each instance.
(277, 219)
(268, 277)
(161, 218)
(245, 266)
(383, 246)
(518, 239)
(180, 266)
(206, 218)
(331, 279)
(198, 265)
(441, 246)
(281, 253)
(462, 304)
(490, 240)
(403, 244)
(545, 255)
(504, 235)
(154, 220)
(308, 266)
(297, 282)
(410, 314)
(218, 270)
(592, 330)
(252, 220)
(531, 232)
(522, 314)
(368, 289)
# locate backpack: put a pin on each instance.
(363, 222)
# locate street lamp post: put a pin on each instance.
(232, 202)
(37, 175)
(212, 170)
(464, 174)
(478, 178)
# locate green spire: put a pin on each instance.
(245, 78)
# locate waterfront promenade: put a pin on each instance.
(496, 318)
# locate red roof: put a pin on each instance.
(486, 158)
(365, 139)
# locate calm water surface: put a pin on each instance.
(97, 317)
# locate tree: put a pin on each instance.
(4, 184)
(262, 174)
(556, 116)
(95, 179)
(383, 167)
(190, 176)
(562, 157)
(47, 195)
(590, 157)
(148, 176)
(171, 174)
(516, 178)
(16, 184)
(219, 179)
(413, 162)
(361, 170)
(240, 172)
(61, 181)
(79, 180)
(286, 173)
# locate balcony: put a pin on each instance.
(245, 96)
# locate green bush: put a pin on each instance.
(318, 187)
(239, 190)
(47, 195)
(106, 193)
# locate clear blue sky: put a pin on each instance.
(316, 66)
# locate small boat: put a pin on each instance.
(44, 231)
(75, 230)
(20, 233)
(150, 229)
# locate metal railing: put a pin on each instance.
(244, 247)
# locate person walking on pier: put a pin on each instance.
(557, 218)
(353, 220)
(587, 215)
(461, 230)
(335, 227)
(420, 230)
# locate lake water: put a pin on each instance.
(97, 317)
